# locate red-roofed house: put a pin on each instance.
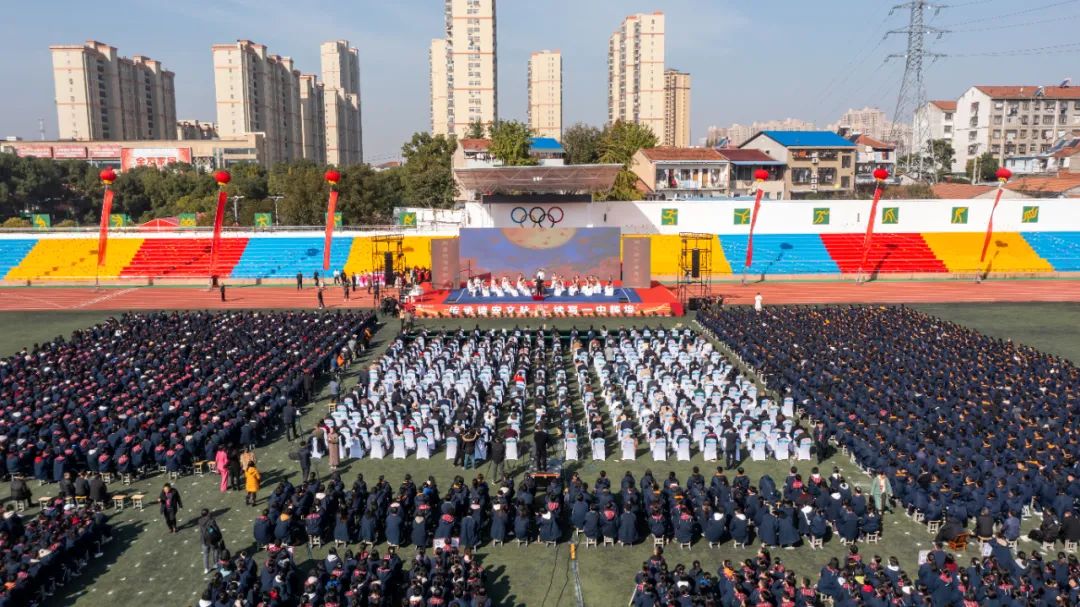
(670, 173)
(969, 191)
(743, 165)
(1013, 121)
(872, 155)
(1065, 185)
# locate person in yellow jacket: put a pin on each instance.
(253, 478)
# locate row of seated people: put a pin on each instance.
(671, 389)
(112, 399)
(364, 579)
(717, 510)
(41, 553)
(857, 581)
(955, 420)
(589, 286)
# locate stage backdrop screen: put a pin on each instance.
(567, 252)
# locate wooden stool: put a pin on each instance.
(118, 501)
(1070, 546)
(590, 542)
(1048, 547)
(609, 541)
(933, 527)
(43, 501)
(657, 541)
(872, 538)
(137, 500)
(212, 467)
(684, 545)
(816, 543)
(126, 478)
(521, 542)
(107, 477)
(21, 505)
(81, 500)
(198, 467)
(960, 542)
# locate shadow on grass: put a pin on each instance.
(123, 536)
(499, 588)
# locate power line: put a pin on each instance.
(1016, 25)
(1071, 47)
(1014, 14)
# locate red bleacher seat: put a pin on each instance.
(184, 258)
(889, 253)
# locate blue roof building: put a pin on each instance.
(547, 150)
(819, 162)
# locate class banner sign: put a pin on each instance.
(42, 221)
(265, 220)
(188, 220)
(669, 217)
(959, 215)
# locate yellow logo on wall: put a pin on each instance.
(669, 217)
(890, 215)
(959, 215)
(119, 220)
(42, 221)
(188, 220)
(742, 217)
(263, 220)
(821, 217)
(408, 219)
(1031, 215)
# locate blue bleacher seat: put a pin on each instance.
(12, 252)
(1061, 249)
(269, 257)
(776, 254)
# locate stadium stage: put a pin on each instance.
(458, 303)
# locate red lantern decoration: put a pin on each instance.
(222, 178)
(761, 175)
(107, 175)
(881, 174)
(332, 176)
(1003, 174)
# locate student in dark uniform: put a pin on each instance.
(170, 504)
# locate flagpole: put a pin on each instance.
(1003, 175)
(880, 175)
(107, 176)
(760, 176)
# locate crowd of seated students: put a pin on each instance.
(161, 390)
(41, 553)
(956, 420)
(584, 286)
(941, 581)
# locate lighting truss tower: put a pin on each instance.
(912, 97)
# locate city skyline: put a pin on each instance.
(812, 73)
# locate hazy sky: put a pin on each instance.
(750, 60)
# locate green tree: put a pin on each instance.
(428, 176)
(987, 166)
(16, 222)
(618, 144)
(582, 144)
(942, 153)
(304, 192)
(510, 142)
(475, 130)
(249, 180)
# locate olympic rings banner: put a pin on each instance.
(564, 252)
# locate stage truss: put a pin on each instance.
(389, 243)
(689, 286)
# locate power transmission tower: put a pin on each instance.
(911, 100)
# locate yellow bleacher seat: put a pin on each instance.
(67, 258)
(1008, 252)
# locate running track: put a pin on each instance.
(187, 298)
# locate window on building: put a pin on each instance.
(997, 120)
(826, 176)
(995, 148)
(845, 182)
(997, 133)
(948, 115)
(800, 176)
(845, 161)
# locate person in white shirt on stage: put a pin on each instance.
(573, 287)
(522, 286)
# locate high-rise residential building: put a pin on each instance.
(676, 108)
(195, 130)
(545, 94)
(440, 87)
(468, 66)
(341, 98)
(1013, 121)
(258, 93)
(636, 72)
(312, 118)
(869, 121)
(103, 96)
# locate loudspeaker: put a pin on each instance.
(695, 263)
(388, 268)
(694, 304)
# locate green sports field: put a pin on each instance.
(145, 566)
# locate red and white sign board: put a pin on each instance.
(105, 151)
(36, 151)
(154, 157)
(69, 151)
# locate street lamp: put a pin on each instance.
(235, 209)
(276, 199)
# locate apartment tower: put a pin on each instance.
(676, 108)
(470, 68)
(545, 94)
(258, 93)
(636, 72)
(312, 118)
(341, 95)
(103, 96)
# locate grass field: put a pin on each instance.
(144, 565)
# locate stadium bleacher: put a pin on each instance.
(184, 257)
(1008, 252)
(781, 254)
(284, 257)
(1060, 249)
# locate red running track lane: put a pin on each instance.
(193, 298)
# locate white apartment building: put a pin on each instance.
(312, 118)
(676, 108)
(636, 72)
(103, 96)
(258, 93)
(469, 67)
(545, 94)
(1013, 121)
(341, 103)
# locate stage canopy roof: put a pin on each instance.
(539, 179)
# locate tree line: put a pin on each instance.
(71, 192)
